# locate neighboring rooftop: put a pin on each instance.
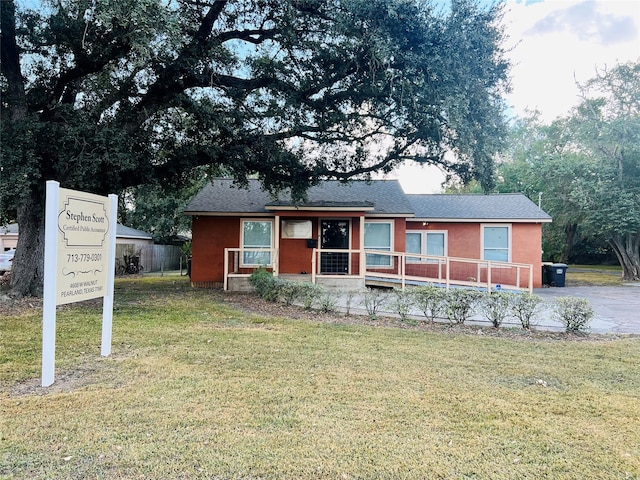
(9, 229)
(128, 232)
(510, 207)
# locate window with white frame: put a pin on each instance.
(257, 238)
(413, 244)
(496, 243)
(378, 236)
(426, 243)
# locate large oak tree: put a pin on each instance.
(105, 95)
(606, 130)
(588, 166)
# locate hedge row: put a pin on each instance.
(456, 305)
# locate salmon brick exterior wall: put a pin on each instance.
(211, 235)
(464, 241)
(295, 256)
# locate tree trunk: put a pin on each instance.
(627, 249)
(570, 238)
(27, 278)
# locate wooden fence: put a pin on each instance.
(152, 258)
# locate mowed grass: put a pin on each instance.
(594, 275)
(196, 389)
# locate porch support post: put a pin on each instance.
(363, 256)
(276, 253)
(226, 270)
(314, 265)
(448, 273)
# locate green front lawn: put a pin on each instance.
(197, 389)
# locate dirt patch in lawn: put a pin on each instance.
(11, 306)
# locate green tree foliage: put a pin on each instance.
(588, 166)
(542, 163)
(607, 129)
(158, 209)
(104, 96)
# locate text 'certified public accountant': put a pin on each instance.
(83, 227)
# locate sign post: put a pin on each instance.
(79, 261)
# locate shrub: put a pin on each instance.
(460, 304)
(524, 307)
(402, 303)
(274, 289)
(574, 313)
(289, 291)
(262, 281)
(327, 301)
(430, 300)
(373, 299)
(309, 293)
(495, 307)
(349, 296)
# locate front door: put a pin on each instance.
(334, 234)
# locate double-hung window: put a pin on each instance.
(413, 244)
(496, 243)
(426, 243)
(257, 240)
(378, 236)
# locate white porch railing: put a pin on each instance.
(391, 267)
(242, 262)
(412, 269)
(409, 268)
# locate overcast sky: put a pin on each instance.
(553, 43)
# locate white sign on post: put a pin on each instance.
(80, 232)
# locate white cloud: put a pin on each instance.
(553, 44)
(558, 42)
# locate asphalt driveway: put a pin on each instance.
(617, 308)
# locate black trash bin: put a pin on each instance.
(558, 274)
(546, 273)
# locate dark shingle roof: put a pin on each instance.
(128, 232)
(507, 207)
(11, 228)
(376, 196)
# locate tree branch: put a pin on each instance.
(10, 61)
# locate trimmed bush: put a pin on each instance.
(574, 313)
(327, 301)
(524, 307)
(350, 296)
(461, 304)
(495, 306)
(262, 281)
(402, 303)
(289, 291)
(309, 294)
(430, 300)
(374, 299)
